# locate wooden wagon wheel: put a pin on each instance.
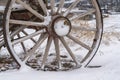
(55, 34)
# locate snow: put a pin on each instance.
(61, 28)
(108, 57)
(2, 8)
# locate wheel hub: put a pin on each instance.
(61, 26)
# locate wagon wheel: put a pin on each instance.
(56, 35)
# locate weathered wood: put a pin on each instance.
(3, 2)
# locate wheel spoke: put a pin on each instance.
(69, 50)
(27, 37)
(43, 6)
(56, 42)
(20, 28)
(26, 6)
(22, 44)
(17, 31)
(42, 38)
(75, 27)
(46, 52)
(71, 7)
(59, 10)
(26, 23)
(79, 42)
(12, 35)
(91, 11)
(52, 2)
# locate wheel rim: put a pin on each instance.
(78, 33)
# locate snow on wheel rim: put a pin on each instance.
(35, 38)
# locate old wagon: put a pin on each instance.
(53, 34)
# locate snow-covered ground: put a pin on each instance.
(108, 57)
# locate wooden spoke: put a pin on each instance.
(91, 11)
(43, 6)
(26, 6)
(17, 31)
(26, 37)
(79, 42)
(22, 44)
(71, 7)
(59, 10)
(42, 38)
(56, 42)
(46, 52)
(52, 3)
(20, 28)
(26, 23)
(69, 50)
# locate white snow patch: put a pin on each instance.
(2, 8)
(61, 29)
